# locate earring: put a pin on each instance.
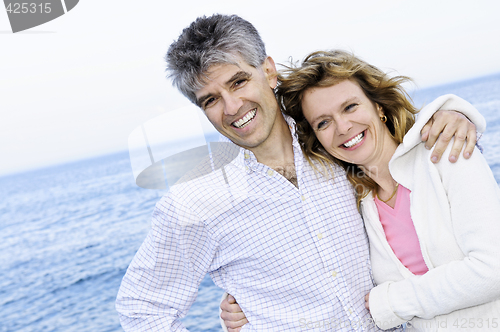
(383, 118)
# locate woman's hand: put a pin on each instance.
(367, 301)
(232, 315)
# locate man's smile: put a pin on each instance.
(244, 121)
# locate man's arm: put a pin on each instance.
(162, 281)
(452, 120)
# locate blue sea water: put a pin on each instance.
(68, 233)
(484, 94)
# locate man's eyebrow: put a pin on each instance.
(236, 77)
(239, 76)
(201, 100)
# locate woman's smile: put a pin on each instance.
(347, 123)
(355, 142)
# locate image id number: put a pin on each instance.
(475, 323)
(26, 7)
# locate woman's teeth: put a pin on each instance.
(241, 123)
(355, 140)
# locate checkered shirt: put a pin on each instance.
(294, 258)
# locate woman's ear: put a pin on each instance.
(380, 110)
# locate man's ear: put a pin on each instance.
(271, 73)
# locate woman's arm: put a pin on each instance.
(474, 202)
(231, 314)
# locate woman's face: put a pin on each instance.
(347, 123)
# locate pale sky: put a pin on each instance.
(78, 86)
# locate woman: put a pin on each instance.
(433, 228)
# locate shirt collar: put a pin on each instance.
(246, 158)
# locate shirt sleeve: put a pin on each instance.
(474, 203)
(162, 281)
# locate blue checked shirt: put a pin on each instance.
(294, 258)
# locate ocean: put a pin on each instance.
(68, 233)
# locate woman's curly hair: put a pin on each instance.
(327, 68)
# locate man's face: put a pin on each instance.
(239, 101)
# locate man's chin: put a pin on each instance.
(246, 144)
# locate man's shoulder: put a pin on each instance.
(204, 189)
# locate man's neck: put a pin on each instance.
(277, 151)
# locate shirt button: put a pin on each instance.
(334, 274)
(270, 172)
(247, 156)
(320, 236)
(246, 168)
(303, 198)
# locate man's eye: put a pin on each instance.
(209, 102)
(239, 83)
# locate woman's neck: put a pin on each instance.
(378, 171)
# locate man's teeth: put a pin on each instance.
(241, 123)
(354, 141)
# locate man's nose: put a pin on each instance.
(232, 104)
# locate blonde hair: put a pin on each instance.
(327, 68)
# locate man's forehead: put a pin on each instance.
(220, 69)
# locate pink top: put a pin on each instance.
(400, 231)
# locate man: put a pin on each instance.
(287, 243)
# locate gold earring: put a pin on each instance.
(383, 118)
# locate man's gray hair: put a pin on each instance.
(209, 41)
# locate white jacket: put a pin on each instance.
(456, 212)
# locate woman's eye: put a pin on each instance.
(322, 124)
(351, 107)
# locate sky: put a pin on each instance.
(79, 85)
